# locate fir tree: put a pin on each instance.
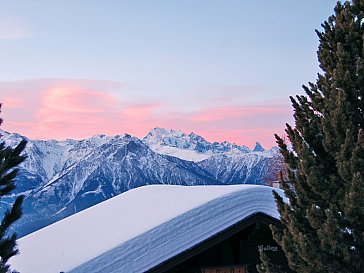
(10, 158)
(323, 224)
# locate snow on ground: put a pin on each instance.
(139, 229)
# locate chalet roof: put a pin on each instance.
(140, 229)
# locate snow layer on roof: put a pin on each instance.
(139, 229)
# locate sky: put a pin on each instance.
(223, 69)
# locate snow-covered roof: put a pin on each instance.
(139, 229)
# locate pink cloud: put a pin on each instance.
(66, 108)
(73, 99)
(243, 124)
(77, 112)
(139, 118)
(60, 108)
(140, 112)
(13, 103)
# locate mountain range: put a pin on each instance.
(60, 178)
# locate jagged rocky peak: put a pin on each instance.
(156, 132)
(172, 138)
(258, 147)
(159, 134)
(11, 139)
(126, 140)
(160, 137)
(227, 146)
(196, 137)
(4, 133)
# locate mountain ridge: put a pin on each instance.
(60, 178)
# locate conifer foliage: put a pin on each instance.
(323, 224)
(10, 158)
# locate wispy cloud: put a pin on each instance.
(70, 111)
(13, 102)
(243, 124)
(66, 108)
(76, 100)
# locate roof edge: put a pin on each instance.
(255, 218)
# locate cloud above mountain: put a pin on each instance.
(70, 108)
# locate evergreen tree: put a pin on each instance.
(10, 158)
(323, 224)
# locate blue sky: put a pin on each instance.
(181, 58)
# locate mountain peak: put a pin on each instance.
(188, 146)
(258, 147)
(157, 131)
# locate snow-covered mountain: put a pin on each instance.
(190, 147)
(258, 147)
(60, 178)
